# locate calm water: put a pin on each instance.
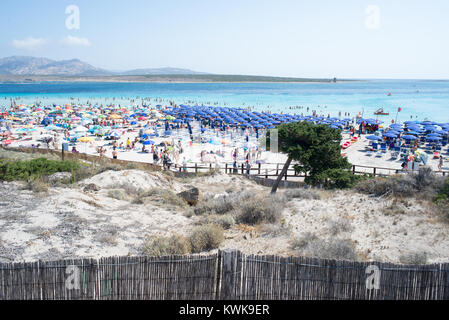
(419, 99)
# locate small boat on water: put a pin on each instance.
(380, 112)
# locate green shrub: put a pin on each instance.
(424, 184)
(33, 169)
(337, 179)
(443, 209)
(205, 238)
(164, 246)
(443, 195)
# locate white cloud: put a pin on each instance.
(75, 41)
(29, 43)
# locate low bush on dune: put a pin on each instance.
(246, 207)
(257, 210)
(202, 238)
(443, 208)
(163, 196)
(205, 238)
(37, 185)
(220, 205)
(116, 194)
(443, 195)
(337, 179)
(165, 246)
(414, 258)
(226, 221)
(34, 169)
(337, 249)
(308, 194)
(424, 184)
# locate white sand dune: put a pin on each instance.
(68, 222)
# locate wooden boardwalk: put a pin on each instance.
(263, 170)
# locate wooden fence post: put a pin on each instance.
(259, 168)
(230, 275)
(226, 168)
(374, 171)
(196, 167)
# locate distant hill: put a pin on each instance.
(159, 71)
(19, 65)
(30, 69)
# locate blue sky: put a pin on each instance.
(319, 38)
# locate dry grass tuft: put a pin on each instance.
(414, 258)
(162, 196)
(164, 246)
(205, 238)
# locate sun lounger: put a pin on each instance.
(379, 153)
(383, 148)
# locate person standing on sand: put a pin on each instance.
(155, 157)
(114, 153)
(440, 165)
(234, 167)
(248, 167)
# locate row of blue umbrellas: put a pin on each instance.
(239, 117)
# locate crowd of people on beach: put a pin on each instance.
(132, 132)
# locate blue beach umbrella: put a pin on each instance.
(433, 138)
(409, 137)
(390, 135)
(374, 138)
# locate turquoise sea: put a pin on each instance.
(419, 99)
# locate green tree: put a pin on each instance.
(317, 149)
